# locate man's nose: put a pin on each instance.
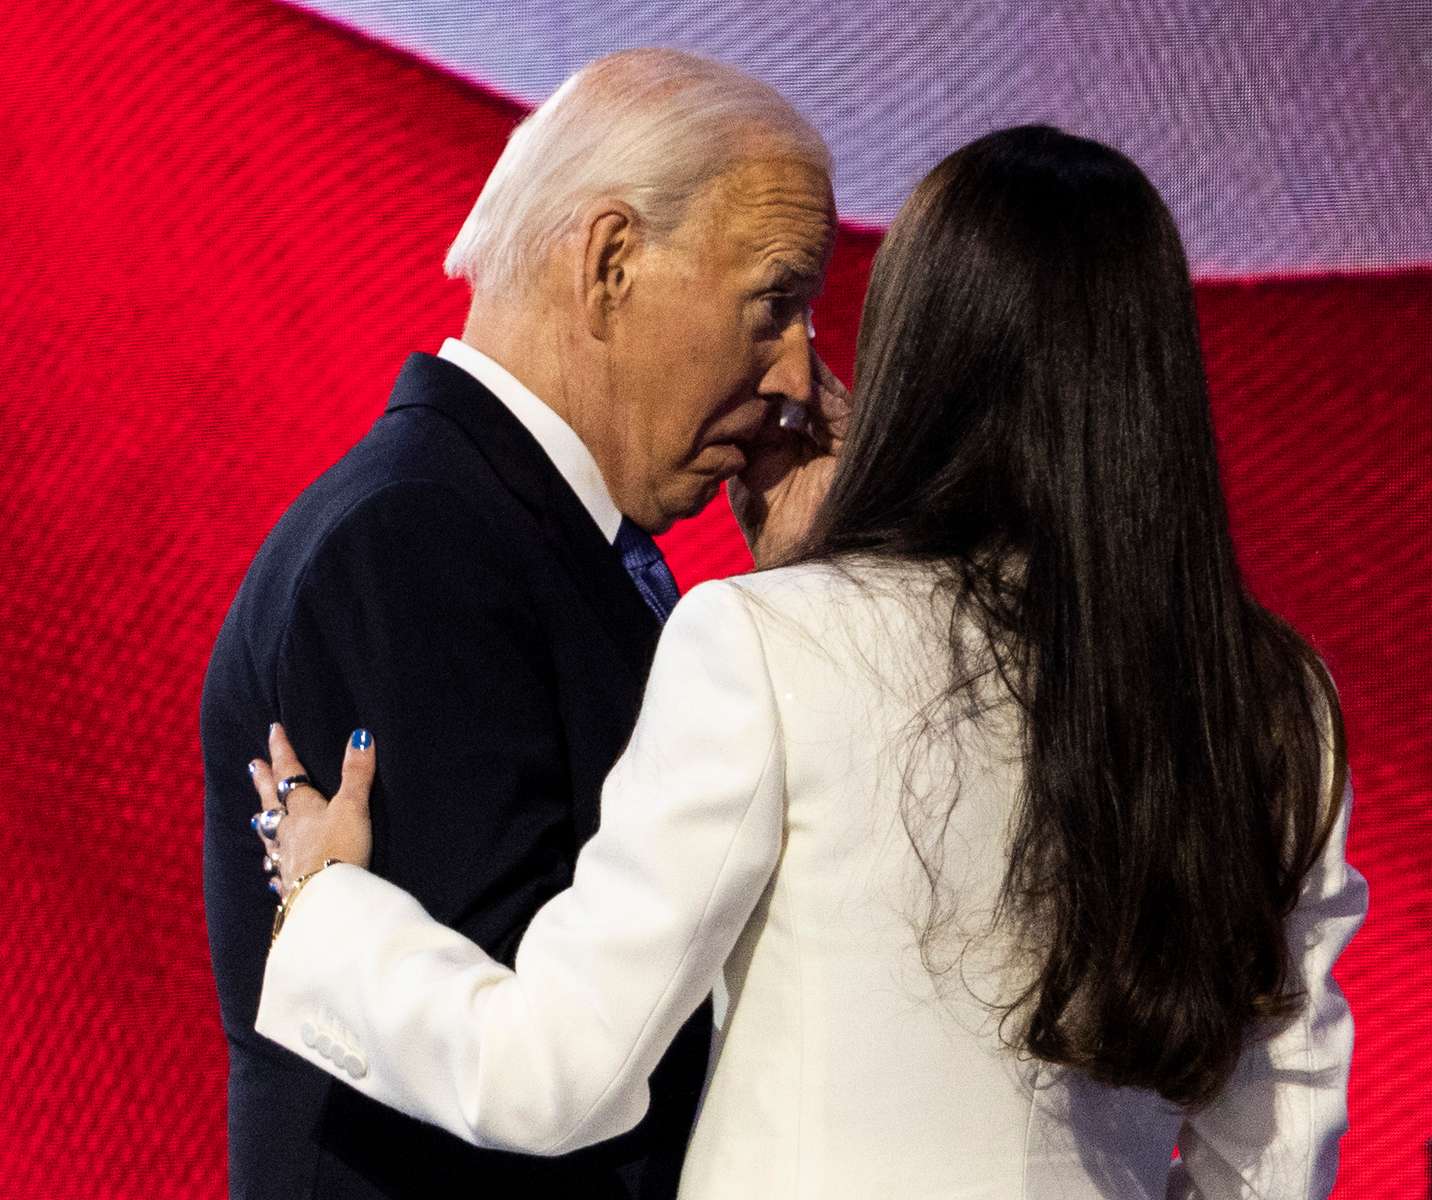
(791, 376)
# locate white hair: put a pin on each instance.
(649, 127)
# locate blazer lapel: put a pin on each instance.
(520, 462)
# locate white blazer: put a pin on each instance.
(754, 835)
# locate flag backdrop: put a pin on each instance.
(222, 229)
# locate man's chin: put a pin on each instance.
(693, 502)
(689, 495)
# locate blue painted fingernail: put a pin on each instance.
(273, 725)
(253, 768)
(362, 739)
(254, 822)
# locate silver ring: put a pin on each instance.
(287, 785)
(268, 822)
(794, 417)
(271, 861)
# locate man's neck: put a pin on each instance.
(529, 347)
(517, 345)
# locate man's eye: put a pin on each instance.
(780, 308)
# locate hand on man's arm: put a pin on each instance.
(409, 624)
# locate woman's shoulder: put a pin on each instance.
(819, 603)
(834, 580)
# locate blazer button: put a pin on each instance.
(324, 1045)
(309, 1034)
(355, 1066)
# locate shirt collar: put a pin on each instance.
(569, 454)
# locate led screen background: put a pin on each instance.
(223, 225)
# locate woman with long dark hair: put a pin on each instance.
(1014, 822)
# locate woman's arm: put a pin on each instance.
(556, 1054)
(1274, 1131)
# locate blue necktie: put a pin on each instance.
(648, 570)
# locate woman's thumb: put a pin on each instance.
(360, 764)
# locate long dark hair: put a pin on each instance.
(1031, 415)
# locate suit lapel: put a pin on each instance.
(517, 458)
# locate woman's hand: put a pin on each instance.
(311, 828)
(789, 471)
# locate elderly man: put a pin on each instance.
(476, 583)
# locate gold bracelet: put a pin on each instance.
(281, 914)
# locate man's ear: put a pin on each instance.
(607, 264)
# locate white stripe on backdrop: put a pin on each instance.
(1287, 137)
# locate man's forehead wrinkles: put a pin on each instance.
(777, 198)
(794, 264)
(774, 224)
(804, 243)
(779, 223)
(770, 237)
(759, 224)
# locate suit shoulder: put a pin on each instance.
(411, 465)
(416, 534)
(337, 535)
(409, 451)
(434, 503)
(405, 514)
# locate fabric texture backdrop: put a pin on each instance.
(223, 228)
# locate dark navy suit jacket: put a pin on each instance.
(443, 586)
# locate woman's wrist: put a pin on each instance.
(285, 905)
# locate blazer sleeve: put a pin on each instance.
(410, 621)
(1274, 1131)
(556, 1054)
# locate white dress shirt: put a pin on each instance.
(756, 828)
(569, 454)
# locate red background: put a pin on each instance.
(222, 230)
